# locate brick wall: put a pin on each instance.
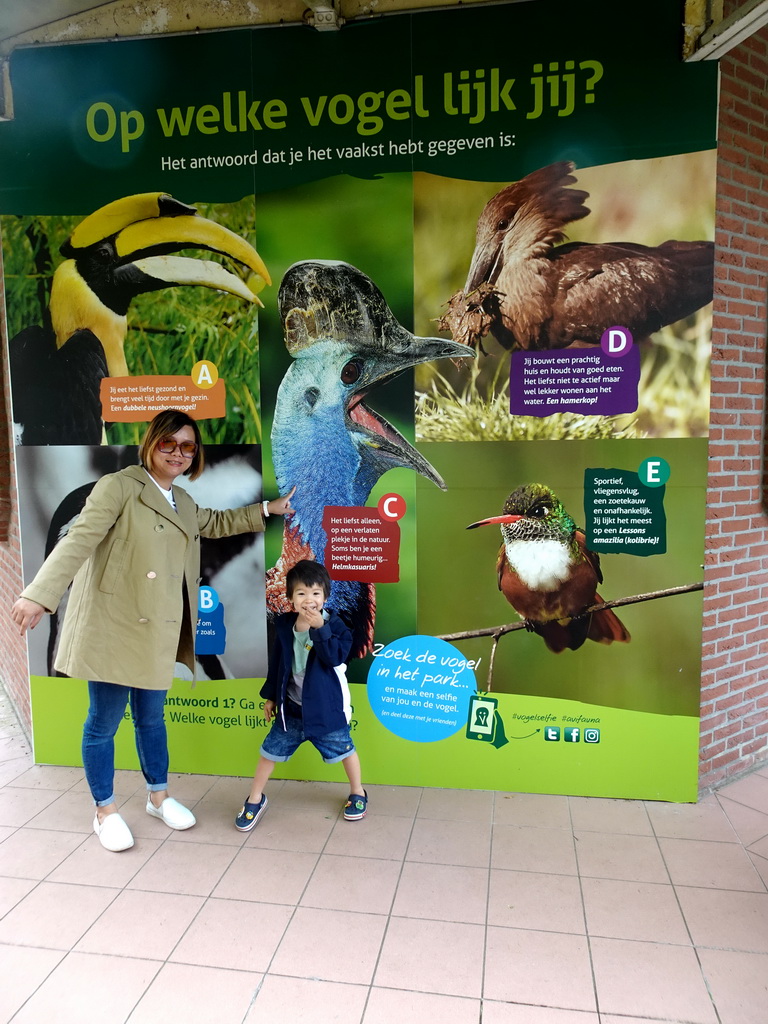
(734, 709)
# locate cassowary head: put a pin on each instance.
(345, 341)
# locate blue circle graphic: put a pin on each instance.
(419, 688)
(207, 600)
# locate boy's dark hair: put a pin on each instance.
(308, 573)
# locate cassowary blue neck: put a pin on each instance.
(313, 449)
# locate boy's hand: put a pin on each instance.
(269, 710)
(314, 617)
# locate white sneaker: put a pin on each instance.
(114, 835)
(174, 814)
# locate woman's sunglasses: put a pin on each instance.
(168, 445)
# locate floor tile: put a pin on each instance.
(704, 820)
(536, 901)
(352, 883)
(328, 797)
(450, 842)
(442, 892)
(714, 865)
(282, 828)
(13, 746)
(761, 867)
(652, 980)
(89, 989)
(24, 970)
(283, 1000)
(48, 776)
(372, 837)
(215, 824)
(233, 934)
(515, 1013)
(632, 858)
(751, 791)
(541, 968)
(330, 945)
(533, 849)
(738, 983)
(400, 801)
(13, 769)
(537, 809)
(54, 915)
(34, 853)
(191, 868)
(454, 965)
(202, 995)
(69, 812)
(188, 789)
(12, 891)
(593, 814)
(147, 922)
(18, 806)
(760, 847)
(747, 823)
(645, 911)
(456, 805)
(261, 876)
(91, 864)
(386, 1005)
(611, 1018)
(727, 920)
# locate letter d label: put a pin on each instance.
(616, 341)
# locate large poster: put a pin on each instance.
(463, 304)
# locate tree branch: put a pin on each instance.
(497, 632)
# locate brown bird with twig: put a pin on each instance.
(533, 290)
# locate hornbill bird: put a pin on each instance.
(532, 292)
(344, 341)
(548, 574)
(120, 251)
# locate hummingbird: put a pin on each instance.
(548, 574)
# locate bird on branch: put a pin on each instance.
(532, 290)
(548, 574)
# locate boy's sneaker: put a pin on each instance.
(356, 806)
(250, 814)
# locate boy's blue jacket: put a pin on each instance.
(325, 693)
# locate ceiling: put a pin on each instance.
(707, 34)
(53, 21)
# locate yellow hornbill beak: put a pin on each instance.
(122, 250)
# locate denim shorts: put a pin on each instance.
(281, 743)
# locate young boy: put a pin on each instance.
(306, 691)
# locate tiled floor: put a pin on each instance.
(440, 907)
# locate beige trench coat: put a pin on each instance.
(128, 556)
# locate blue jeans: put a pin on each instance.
(108, 702)
(281, 743)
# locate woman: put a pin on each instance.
(133, 558)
